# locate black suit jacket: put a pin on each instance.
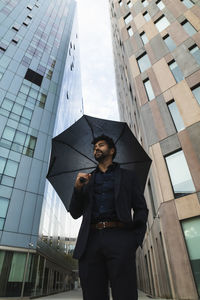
(128, 196)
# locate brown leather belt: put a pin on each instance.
(107, 224)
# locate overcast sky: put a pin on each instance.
(97, 69)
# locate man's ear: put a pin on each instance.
(112, 150)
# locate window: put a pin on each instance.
(179, 173)
(162, 23)
(146, 16)
(7, 104)
(34, 77)
(128, 18)
(8, 133)
(187, 3)
(169, 42)
(130, 31)
(2, 164)
(16, 27)
(143, 62)
(175, 114)
(188, 28)
(11, 168)
(196, 93)
(144, 38)
(160, 4)
(42, 99)
(3, 46)
(15, 40)
(195, 51)
(25, 23)
(30, 145)
(145, 3)
(3, 207)
(129, 3)
(176, 71)
(149, 90)
(191, 230)
(18, 141)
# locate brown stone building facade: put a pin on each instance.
(156, 47)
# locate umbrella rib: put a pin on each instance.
(90, 127)
(64, 172)
(122, 132)
(135, 162)
(76, 150)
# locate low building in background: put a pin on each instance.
(40, 96)
(157, 62)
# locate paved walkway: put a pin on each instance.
(77, 295)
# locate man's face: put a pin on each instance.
(101, 151)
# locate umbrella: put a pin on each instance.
(72, 152)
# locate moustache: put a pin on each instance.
(99, 151)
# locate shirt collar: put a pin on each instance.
(110, 168)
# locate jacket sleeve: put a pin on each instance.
(78, 202)
(140, 212)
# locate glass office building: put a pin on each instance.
(158, 85)
(40, 95)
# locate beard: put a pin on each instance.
(100, 156)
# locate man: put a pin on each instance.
(109, 233)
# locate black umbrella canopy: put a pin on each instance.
(72, 152)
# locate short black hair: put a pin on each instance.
(109, 141)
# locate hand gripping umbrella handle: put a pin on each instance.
(82, 179)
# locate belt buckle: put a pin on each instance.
(104, 225)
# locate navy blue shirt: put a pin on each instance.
(103, 202)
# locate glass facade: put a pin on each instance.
(30, 274)
(179, 174)
(191, 230)
(40, 94)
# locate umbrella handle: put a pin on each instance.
(82, 179)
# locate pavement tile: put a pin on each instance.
(77, 295)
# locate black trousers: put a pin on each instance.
(109, 259)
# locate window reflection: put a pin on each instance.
(180, 175)
(149, 90)
(178, 121)
(169, 42)
(191, 229)
(188, 28)
(144, 62)
(162, 23)
(196, 93)
(176, 71)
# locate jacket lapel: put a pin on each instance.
(90, 187)
(117, 182)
